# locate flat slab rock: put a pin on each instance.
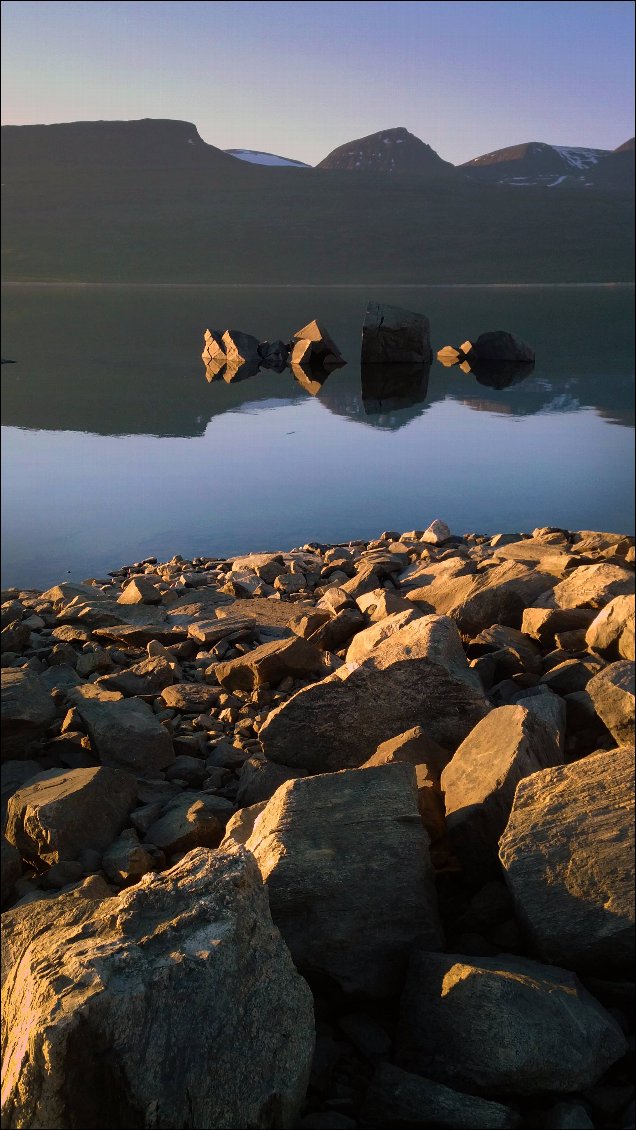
(182, 975)
(568, 857)
(57, 815)
(456, 1010)
(350, 883)
(417, 676)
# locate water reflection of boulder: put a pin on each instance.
(310, 378)
(501, 374)
(387, 387)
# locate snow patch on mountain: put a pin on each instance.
(579, 158)
(256, 157)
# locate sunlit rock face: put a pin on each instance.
(568, 858)
(175, 1004)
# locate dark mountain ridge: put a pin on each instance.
(387, 151)
(149, 201)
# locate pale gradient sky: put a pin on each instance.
(300, 79)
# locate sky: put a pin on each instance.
(299, 79)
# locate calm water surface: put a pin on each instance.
(115, 447)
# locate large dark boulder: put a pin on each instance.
(392, 336)
(350, 881)
(499, 345)
(503, 1025)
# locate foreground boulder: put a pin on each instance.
(505, 1025)
(417, 676)
(391, 335)
(568, 857)
(350, 883)
(479, 783)
(59, 814)
(27, 711)
(181, 1005)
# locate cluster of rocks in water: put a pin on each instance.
(396, 352)
(336, 837)
(234, 355)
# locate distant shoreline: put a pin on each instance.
(320, 286)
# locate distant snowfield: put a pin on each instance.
(580, 158)
(255, 157)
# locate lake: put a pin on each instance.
(115, 447)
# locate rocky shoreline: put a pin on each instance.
(339, 837)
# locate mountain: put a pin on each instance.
(535, 163)
(389, 151)
(256, 157)
(150, 202)
(615, 171)
(150, 144)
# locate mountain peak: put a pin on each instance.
(392, 150)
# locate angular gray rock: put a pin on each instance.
(479, 783)
(612, 632)
(140, 591)
(504, 1025)
(190, 820)
(568, 858)
(182, 978)
(270, 663)
(148, 677)
(27, 710)
(259, 779)
(418, 676)
(59, 814)
(612, 692)
(273, 354)
(350, 883)
(399, 1098)
(125, 734)
(126, 860)
(391, 335)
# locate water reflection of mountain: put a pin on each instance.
(116, 363)
(118, 399)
